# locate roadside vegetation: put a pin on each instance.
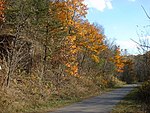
(50, 55)
(143, 96)
(129, 104)
(137, 101)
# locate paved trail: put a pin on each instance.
(100, 104)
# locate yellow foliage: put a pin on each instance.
(95, 58)
(81, 36)
(118, 60)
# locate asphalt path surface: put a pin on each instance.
(100, 104)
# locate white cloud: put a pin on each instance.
(109, 4)
(99, 4)
(129, 45)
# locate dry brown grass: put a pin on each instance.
(28, 94)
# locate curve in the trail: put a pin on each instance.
(100, 104)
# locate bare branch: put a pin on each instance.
(145, 12)
(140, 44)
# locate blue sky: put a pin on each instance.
(120, 19)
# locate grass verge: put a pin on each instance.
(52, 105)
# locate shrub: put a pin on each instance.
(143, 95)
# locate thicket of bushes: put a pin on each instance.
(29, 95)
(143, 96)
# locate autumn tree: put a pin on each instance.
(91, 44)
(129, 74)
(69, 14)
(118, 60)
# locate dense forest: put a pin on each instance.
(49, 52)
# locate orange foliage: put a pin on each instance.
(91, 41)
(80, 35)
(69, 13)
(119, 61)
